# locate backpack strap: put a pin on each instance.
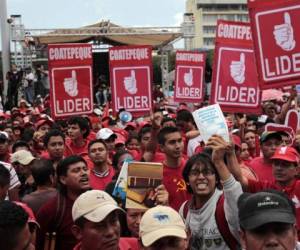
(60, 211)
(223, 226)
(186, 207)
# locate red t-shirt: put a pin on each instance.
(262, 170)
(124, 244)
(292, 191)
(100, 182)
(72, 149)
(175, 185)
(48, 217)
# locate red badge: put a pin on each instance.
(235, 83)
(71, 84)
(131, 78)
(190, 68)
(275, 25)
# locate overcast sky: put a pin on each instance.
(76, 13)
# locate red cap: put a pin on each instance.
(287, 154)
(28, 210)
(42, 122)
(120, 139)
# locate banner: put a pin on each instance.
(189, 76)
(234, 82)
(71, 81)
(131, 78)
(275, 26)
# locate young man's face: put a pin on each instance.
(145, 139)
(202, 180)
(284, 171)
(279, 236)
(133, 218)
(168, 243)
(98, 153)
(44, 128)
(244, 155)
(77, 177)
(104, 235)
(250, 140)
(56, 147)
(74, 131)
(268, 147)
(3, 147)
(173, 146)
(110, 143)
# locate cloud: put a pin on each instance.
(178, 18)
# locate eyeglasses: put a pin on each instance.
(205, 172)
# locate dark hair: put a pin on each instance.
(13, 219)
(51, 133)
(41, 171)
(205, 159)
(82, 123)
(97, 141)
(167, 119)
(117, 156)
(18, 144)
(165, 131)
(131, 137)
(143, 131)
(62, 169)
(184, 115)
(4, 176)
(27, 135)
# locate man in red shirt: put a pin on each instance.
(171, 144)
(101, 173)
(97, 226)
(55, 215)
(262, 166)
(78, 131)
(54, 142)
(285, 168)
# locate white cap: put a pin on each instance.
(23, 156)
(105, 133)
(94, 205)
(159, 222)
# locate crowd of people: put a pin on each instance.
(57, 179)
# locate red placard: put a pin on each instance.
(234, 82)
(275, 26)
(189, 76)
(71, 82)
(131, 78)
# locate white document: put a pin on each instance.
(211, 121)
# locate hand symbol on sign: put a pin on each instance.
(237, 69)
(130, 83)
(71, 85)
(284, 34)
(188, 78)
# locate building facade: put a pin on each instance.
(207, 12)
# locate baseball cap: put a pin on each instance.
(159, 222)
(24, 157)
(287, 154)
(94, 205)
(28, 210)
(3, 136)
(105, 133)
(262, 208)
(269, 134)
(41, 122)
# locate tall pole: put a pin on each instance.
(5, 43)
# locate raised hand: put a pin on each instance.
(130, 83)
(237, 69)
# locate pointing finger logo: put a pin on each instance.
(71, 84)
(237, 70)
(284, 34)
(130, 83)
(188, 78)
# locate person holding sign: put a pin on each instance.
(211, 214)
